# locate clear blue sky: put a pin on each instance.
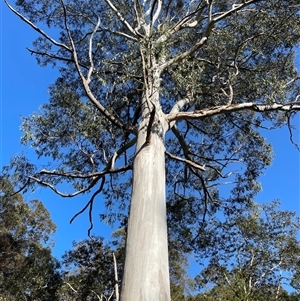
(24, 88)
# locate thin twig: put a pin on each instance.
(90, 204)
(189, 162)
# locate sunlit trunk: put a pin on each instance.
(146, 270)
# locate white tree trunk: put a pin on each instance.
(146, 268)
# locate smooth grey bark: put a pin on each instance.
(146, 268)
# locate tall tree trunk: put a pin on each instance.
(146, 269)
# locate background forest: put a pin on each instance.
(254, 255)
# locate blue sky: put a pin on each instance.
(23, 88)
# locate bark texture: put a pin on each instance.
(146, 270)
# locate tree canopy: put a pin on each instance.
(219, 63)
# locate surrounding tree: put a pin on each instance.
(252, 255)
(27, 269)
(90, 270)
(226, 293)
(192, 81)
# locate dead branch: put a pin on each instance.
(90, 204)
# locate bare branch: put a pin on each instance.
(65, 195)
(22, 188)
(177, 107)
(185, 54)
(90, 204)
(235, 8)
(91, 69)
(99, 297)
(217, 110)
(121, 34)
(189, 162)
(182, 23)
(138, 17)
(52, 56)
(292, 81)
(116, 277)
(181, 142)
(291, 133)
(122, 19)
(85, 176)
(157, 12)
(71, 287)
(37, 28)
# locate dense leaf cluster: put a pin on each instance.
(27, 269)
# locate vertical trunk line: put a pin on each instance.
(146, 267)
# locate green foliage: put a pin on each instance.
(27, 269)
(89, 269)
(252, 254)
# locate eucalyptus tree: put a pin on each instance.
(159, 102)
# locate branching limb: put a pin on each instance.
(138, 16)
(210, 25)
(217, 110)
(65, 195)
(109, 169)
(122, 19)
(85, 81)
(90, 204)
(99, 297)
(54, 42)
(91, 69)
(186, 161)
(56, 57)
(177, 107)
(123, 149)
